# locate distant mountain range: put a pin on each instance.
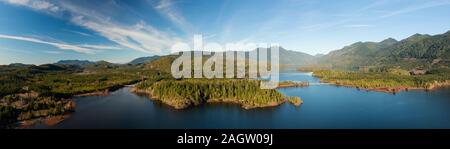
(415, 52)
(85, 63)
(142, 60)
(288, 57)
(75, 62)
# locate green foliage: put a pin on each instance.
(163, 64)
(186, 92)
(439, 71)
(295, 100)
(67, 83)
(391, 70)
(379, 79)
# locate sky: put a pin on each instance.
(45, 31)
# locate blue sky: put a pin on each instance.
(45, 31)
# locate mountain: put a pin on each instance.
(288, 57)
(289, 60)
(49, 67)
(163, 63)
(421, 47)
(416, 51)
(142, 60)
(75, 62)
(86, 64)
(355, 55)
(18, 65)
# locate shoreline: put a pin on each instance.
(56, 119)
(429, 85)
(394, 90)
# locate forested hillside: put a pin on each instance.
(415, 52)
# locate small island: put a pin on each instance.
(295, 100)
(181, 94)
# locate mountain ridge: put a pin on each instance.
(416, 51)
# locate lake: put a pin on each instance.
(325, 106)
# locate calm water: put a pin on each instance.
(325, 106)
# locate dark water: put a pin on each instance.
(325, 106)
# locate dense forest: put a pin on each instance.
(190, 92)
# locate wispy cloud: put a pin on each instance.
(416, 7)
(79, 33)
(168, 10)
(139, 36)
(35, 4)
(101, 47)
(58, 45)
(88, 49)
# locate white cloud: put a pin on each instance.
(35, 4)
(101, 47)
(80, 33)
(18, 2)
(139, 37)
(88, 49)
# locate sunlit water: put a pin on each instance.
(325, 106)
